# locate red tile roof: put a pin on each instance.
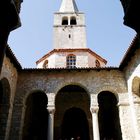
(130, 52)
(71, 50)
(13, 58)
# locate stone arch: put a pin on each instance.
(36, 117)
(111, 89)
(73, 20)
(108, 116)
(72, 83)
(70, 96)
(24, 97)
(65, 21)
(136, 86)
(5, 92)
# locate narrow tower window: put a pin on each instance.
(71, 61)
(65, 21)
(73, 21)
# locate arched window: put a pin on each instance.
(71, 61)
(45, 65)
(73, 21)
(97, 64)
(65, 21)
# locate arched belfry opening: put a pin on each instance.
(73, 21)
(109, 122)
(72, 115)
(65, 21)
(36, 117)
(4, 105)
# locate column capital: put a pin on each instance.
(94, 109)
(51, 109)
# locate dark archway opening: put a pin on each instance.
(109, 122)
(4, 106)
(75, 125)
(72, 114)
(73, 21)
(36, 117)
(65, 21)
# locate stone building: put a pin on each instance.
(71, 93)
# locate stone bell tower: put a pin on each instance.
(69, 41)
(69, 27)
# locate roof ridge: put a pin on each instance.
(10, 54)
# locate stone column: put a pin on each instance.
(51, 111)
(95, 124)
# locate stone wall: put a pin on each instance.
(10, 73)
(131, 71)
(51, 81)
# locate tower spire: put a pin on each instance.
(68, 6)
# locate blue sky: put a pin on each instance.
(106, 34)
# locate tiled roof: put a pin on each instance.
(73, 69)
(71, 50)
(130, 52)
(12, 57)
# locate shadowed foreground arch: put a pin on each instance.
(4, 106)
(72, 115)
(36, 117)
(109, 122)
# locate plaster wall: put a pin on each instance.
(58, 60)
(69, 37)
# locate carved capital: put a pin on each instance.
(94, 109)
(51, 110)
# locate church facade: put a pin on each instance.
(71, 93)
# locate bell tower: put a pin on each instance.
(69, 41)
(69, 27)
